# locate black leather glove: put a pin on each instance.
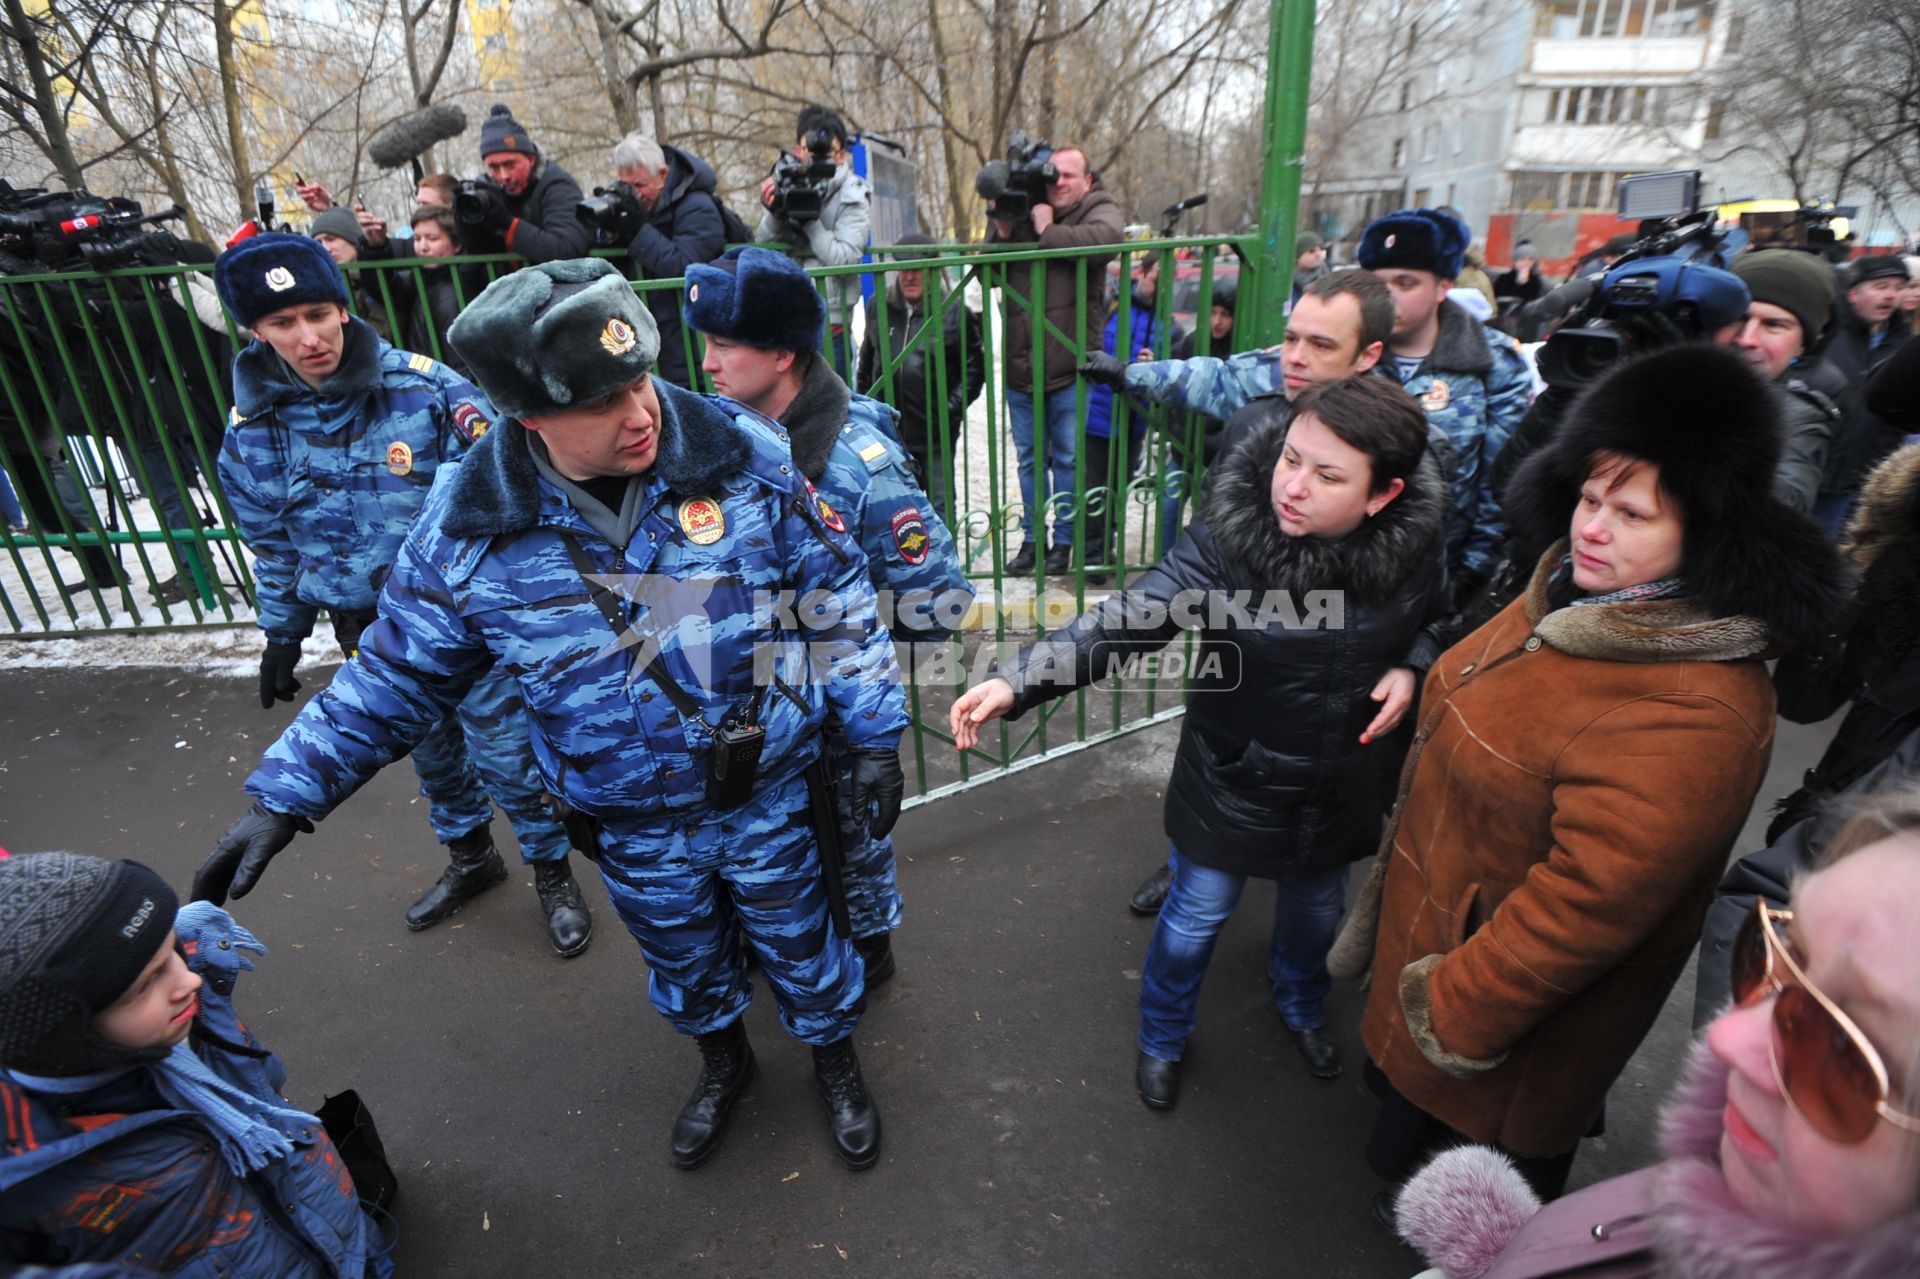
(878, 787)
(1104, 370)
(244, 851)
(277, 683)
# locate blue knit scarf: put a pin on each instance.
(243, 1124)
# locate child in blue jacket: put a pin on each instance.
(143, 1124)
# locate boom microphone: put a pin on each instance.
(992, 179)
(408, 138)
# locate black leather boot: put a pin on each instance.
(1320, 1052)
(851, 1114)
(726, 1066)
(1152, 893)
(473, 868)
(569, 926)
(1158, 1081)
(877, 951)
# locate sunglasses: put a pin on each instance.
(1829, 1072)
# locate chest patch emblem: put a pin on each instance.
(617, 337)
(910, 535)
(469, 421)
(1436, 398)
(400, 458)
(702, 520)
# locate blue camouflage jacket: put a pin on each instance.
(324, 482)
(847, 445)
(1475, 385)
(115, 1177)
(726, 534)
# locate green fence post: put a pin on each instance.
(1283, 142)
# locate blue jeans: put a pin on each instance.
(1306, 917)
(9, 504)
(1062, 427)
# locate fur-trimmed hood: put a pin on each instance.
(1712, 426)
(1371, 563)
(1889, 509)
(496, 489)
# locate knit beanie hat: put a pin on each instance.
(264, 273)
(338, 221)
(1794, 281)
(501, 132)
(1306, 240)
(75, 932)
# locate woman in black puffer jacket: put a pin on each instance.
(1315, 576)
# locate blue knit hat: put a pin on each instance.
(501, 132)
(1415, 240)
(264, 273)
(758, 298)
(549, 338)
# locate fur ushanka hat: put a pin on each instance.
(1714, 428)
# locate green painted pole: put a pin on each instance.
(1283, 145)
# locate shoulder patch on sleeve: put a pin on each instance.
(420, 363)
(910, 535)
(469, 421)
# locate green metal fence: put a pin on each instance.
(114, 392)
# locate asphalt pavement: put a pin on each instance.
(526, 1099)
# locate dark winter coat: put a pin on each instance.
(684, 228)
(914, 386)
(1675, 1220)
(431, 301)
(1809, 418)
(1871, 657)
(1095, 220)
(1863, 436)
(1270, 778)
(116, 1175)
(546, 226)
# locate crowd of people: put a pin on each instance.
(1512, 642)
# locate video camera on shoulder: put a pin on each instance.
(800, 184)
(1671, 286)
(614, 213)
(1014, 185)
(69, 230)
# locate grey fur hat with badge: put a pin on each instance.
(758, 298)
(553, 337)
(75, 933)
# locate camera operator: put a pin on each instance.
(835, 235)
(525, 205)
(1078, 212)
(680, 226)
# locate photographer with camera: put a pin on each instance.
(525, 205)
(1070, 209)
(664, 211)
(820, 208)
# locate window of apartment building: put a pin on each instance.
(1716, 118)
(1406, 94)
(1536, 191)
(1430, 142)
(1399, 153)
(1589, 190)
(1607, 104)
(1423, 197)
(1615, 19)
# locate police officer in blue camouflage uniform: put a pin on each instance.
(620, 546)
(762, 317)
(335, 440)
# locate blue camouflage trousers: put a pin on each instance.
(688, 889)
(484, 749)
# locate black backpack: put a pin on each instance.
(737, 231)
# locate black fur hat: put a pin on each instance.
(1713, 427)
